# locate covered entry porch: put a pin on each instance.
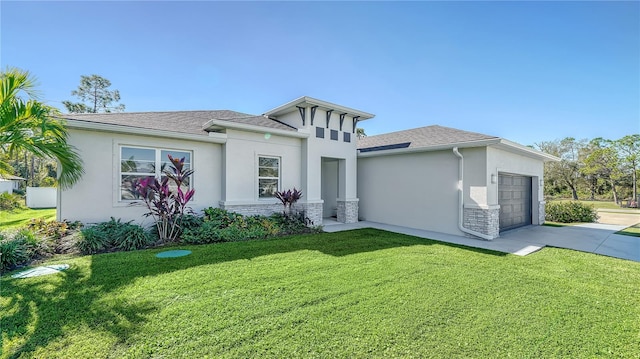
(336, 206)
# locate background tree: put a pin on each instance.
(601, 167)
(95, 95)
(567, 171)
(602, 163)
(360, 133)
(27, 125)
(629, 150)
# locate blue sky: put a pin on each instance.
(525, 71)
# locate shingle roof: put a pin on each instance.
(11, 177)
(176, 121)
(420, 137)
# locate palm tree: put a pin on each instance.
(29, 125)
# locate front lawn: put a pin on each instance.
(22, 216)
(364, 293)
(633, 231)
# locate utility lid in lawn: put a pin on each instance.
(38, 271)
(173, 254)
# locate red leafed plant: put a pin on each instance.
(166, 205)
(289, 198)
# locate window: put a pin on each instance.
(268, 176)
(137, 163)
(319, 132)
(347, 137)
(334, 135)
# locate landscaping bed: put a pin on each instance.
(41, 239)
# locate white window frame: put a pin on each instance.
(258, 177)
(158, 162)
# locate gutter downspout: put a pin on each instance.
(461, 199)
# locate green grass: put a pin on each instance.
(633, 231)
(22, 216)
(356, 294)
(598, 204)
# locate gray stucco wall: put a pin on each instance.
(417, 190)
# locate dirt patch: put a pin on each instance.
(623, 219)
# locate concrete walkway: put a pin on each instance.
(592, 238)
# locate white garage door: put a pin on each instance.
(514, 198)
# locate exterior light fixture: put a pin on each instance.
(493, 178)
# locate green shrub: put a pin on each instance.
(190, 221)
(208, 232)
(25, 245)
(294, 224)
(131, 236)
(571, 211)
(111, 227)
(36, 245)
(222, 216)
(223, 226)
(9, 202)
(14, 252)
(113, 234)
(93, 240)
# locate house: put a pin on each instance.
(239, 160)
(409, 178)
(451, 181)
(9, 183)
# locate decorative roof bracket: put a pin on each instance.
(303, 112)
(313, 113)
(329, 117)
(342, 119)
(355, 122)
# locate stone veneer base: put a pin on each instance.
(313, 211)
(348, 211)
(263, 209)
(485, 221)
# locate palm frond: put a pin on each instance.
(29, 125)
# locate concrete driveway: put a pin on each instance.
(596, 238)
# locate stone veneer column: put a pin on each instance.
(312, 210)
(348, 211)
(483, 220)
(542, 214)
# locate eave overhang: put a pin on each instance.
(220, 125)
(494, 142)
(306, 101)
(524, 150)
(211, 137)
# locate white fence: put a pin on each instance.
(6, 186)
(41, 197)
